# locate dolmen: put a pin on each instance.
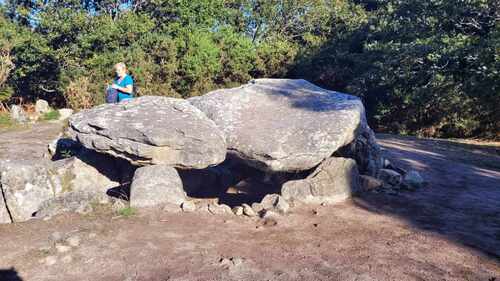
(315, 141)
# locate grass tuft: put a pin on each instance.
(51, 115)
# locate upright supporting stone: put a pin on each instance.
(335, 180)
(155, 185)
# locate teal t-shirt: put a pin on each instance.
(127, 80)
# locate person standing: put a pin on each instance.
(122, 87)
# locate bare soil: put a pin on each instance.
(449, 230)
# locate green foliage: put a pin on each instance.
(5, 120)
(127, 211)
(51, 115)
(421, 67)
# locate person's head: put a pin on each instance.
(120, 69)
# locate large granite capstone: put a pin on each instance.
(283, 125)
(151, 130)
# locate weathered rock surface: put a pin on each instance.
(283, 124)
(155, 185)
(25, 187)
(89, 172)
(151, 130)
(366, 151)
(4, 214)
(335, 180)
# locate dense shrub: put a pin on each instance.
(421, 67)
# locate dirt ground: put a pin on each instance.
(449, 230)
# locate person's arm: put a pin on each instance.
(129, 86)
(127, 89)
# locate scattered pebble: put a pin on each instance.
(62, 248)
(55, 237)
(73, 241)
(238, 210)
(248, 211)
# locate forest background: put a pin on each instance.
(429, 67)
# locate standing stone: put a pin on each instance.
(155, 185)
(151, 130)
(283, 125)
(17, 114)
(42, 107)
(335, 180)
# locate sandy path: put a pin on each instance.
(449, 230)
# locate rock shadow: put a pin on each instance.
(460, 202)
(234, 183)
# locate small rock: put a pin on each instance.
(282, 206)
(391, 177)
(236, 261)
(276, 202)
(17, 114)
(62, 248)
(238, 210)
(248, 211)
(42, 106)
(67, 259)
(73, 241)
(92, 235)
(269, 201)
(413, 179)
(257, 207)
(225, 262)
(188, 206)
(50, 260)
(369, 182)
(217, 209)
(65, 113)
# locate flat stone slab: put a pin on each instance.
(151, 130)
(283, 124)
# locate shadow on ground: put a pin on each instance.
(9, 274)
(461, 203)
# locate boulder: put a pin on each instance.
(335, 180)
(283, 124)
(151, 130)
(18, 114)
(155, 185)
(42, 107)
(89, 172)
(25, 187)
